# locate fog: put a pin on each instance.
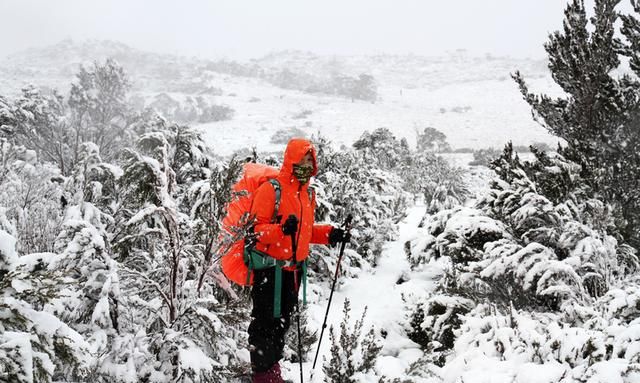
(244, 29)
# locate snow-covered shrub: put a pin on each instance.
(55, 126)
(441, 185)
(165, 248)
(40, 123)
(205, 204)
(483, 157)
(197, 110)
(524, 252)
(309, 337)
(459, 233)
(117, 290)
(349, 182)
(432, 323)
(282, 136)
(188, 152)
(33, 194)
(363, 87)
(353, 354)
(579, 344)
(35, 346)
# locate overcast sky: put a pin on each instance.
(251, 28)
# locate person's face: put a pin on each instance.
(306, 161)
(303, 170)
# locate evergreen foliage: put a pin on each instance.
(352, 353)
(598, 118)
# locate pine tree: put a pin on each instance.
(598, 118)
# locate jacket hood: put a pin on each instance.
(296, 149)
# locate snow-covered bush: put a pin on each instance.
(282, 136)
(353, 354)
(192, 110)
(521, 261)
(432, 323)
(363, 87)
(578, 344)
(117, 289)
(308, 336)
(349, 182)
(483, 157)
(35, 346)
(32, 194)
(441, 185)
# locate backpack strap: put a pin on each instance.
(312, 195)
(276, 188)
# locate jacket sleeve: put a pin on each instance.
(262, 208)
(320, 234)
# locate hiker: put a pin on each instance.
(275, 288)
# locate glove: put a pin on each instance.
(338, 235)
(290, 226)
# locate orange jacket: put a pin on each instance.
(294, 199)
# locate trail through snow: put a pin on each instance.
(380, 291)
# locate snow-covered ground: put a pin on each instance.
(475, 114)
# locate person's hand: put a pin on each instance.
(290, 226)
(338, 235)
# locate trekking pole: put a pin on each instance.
(294, 248)
(347, 227)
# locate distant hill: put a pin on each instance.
(55, 65)
(471, 99)
(408, 71)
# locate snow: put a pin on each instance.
(382, 297)
(460, 109)
(18, 343)
(608, 372)
(487, 123)
(193, 358)
(8, 254)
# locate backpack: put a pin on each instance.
(241, 257)
(233, 262)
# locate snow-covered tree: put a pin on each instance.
(40, 123)
(99, 108)
(385, 148)
(351, 182)
(164, 254)
(364, 88)
(598, 117)
(432, 140)
(35, 346)
(32, 193)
